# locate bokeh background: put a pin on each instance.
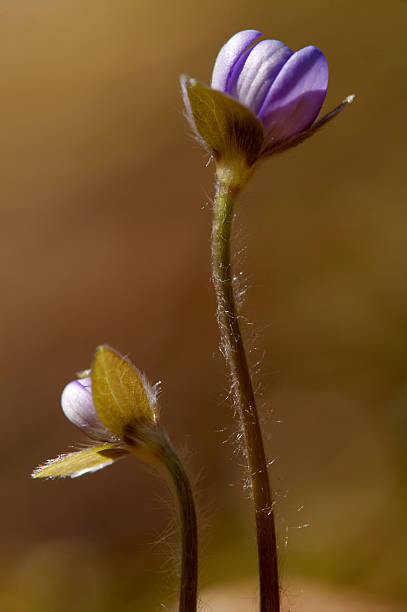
(105, 224)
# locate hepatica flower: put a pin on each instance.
(117, 409)
(263, 97)
(285, 90)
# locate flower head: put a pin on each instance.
(285, 90)
(117, 408)
(263, 98)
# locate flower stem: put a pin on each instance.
(229, 184)
(188, 524)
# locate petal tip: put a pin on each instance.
(229, 55)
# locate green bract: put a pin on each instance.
(118, 393)
(81, 462)
(229, 129)
(231, 132)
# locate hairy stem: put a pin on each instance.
(188, 525)
(229, 184)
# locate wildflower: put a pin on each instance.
(263, 98)
(117, 409)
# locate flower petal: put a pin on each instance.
(78, 407)
(296, 96)
(227, 57)
(81, 462)
(257, 69)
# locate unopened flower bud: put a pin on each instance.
(77, 404)
(113, 404)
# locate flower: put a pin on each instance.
(263, 98)
(117, 409)
(285, 90)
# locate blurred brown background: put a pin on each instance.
(105, 221)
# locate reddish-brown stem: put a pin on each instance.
(242, 389)
(188, 527)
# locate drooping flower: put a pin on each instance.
(281, 93)
(117, 409)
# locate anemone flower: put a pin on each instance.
(263, 99)
(283, 90)
(115, 406)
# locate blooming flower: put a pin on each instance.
(117, 409)
(263, 97)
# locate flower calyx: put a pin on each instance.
(117, 409)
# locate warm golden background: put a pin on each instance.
(105, 238)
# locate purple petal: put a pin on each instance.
(77, 404)
(296, 96)
(227, 57)
(256, 70)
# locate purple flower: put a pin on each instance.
(77, 404)
(264, 98)
(285, 90)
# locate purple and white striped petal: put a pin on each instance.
(77, 404)
(257, 70)
(283, 90)
(296, 96)
(228, 56)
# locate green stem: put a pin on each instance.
(188, 524)
(228, 186)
